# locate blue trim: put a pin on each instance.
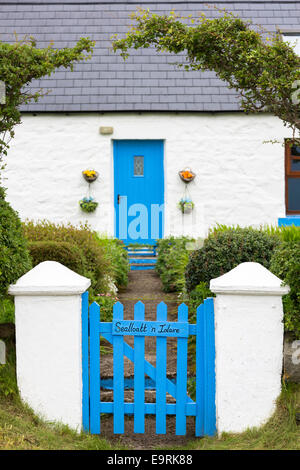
(209, 369)
(139, 372)
(161, 373)
(290, 220)
(118, 369)
(85, 362)
(94, 368)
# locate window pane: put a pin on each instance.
(294, 194)
(295, 150)
(138, 166)
(295, 165)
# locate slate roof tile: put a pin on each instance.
(147, 80)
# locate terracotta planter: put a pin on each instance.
(184, 178)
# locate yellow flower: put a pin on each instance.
(89, 173)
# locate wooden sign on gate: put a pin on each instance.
(150, 328)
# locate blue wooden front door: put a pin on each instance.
(139, 190)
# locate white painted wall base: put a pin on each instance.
(48, 341)
(240, 180)
(249, 346)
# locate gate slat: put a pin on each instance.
(209, 369)
(181, 381)
(139, 373)
(149, 368)
(203, 409)
(85, 361)
(199, 423)
(150, 408)
(118, 383)
(95, 367)
(161, 374)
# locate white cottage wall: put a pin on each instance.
(240, 179)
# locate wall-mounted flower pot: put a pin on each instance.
(187, 175)
(88, 204)
(186, 206)
(90, 175)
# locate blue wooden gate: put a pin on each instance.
(203, 408)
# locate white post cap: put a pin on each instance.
(249, 279)
(50, 278)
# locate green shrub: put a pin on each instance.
(193, 299)
(285, 264)
(65, 253)
(14, 255)
(117, 256)
(97, 268)
(289, 233)
(172, 259)
(7, 310)
(224, 249)
(106, 302)
(8, 379)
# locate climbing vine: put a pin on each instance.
(264, 70)
(20, 64)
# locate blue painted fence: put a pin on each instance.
(203, 408)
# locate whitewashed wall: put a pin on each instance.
(249, 346)
(240, 180)
(48, 341)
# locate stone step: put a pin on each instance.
(143, 260)
(142, 267)
(142, 263)
(141, 253)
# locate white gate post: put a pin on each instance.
(48, 341)
(249, 346)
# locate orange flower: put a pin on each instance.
(186, 174)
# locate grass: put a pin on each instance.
(21, 429)
(279, 433)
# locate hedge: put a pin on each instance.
(172, 259)
(96, 265)
(223, 250)
(285, 264)
(14, 255)
(117, 257)
(64, 252)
